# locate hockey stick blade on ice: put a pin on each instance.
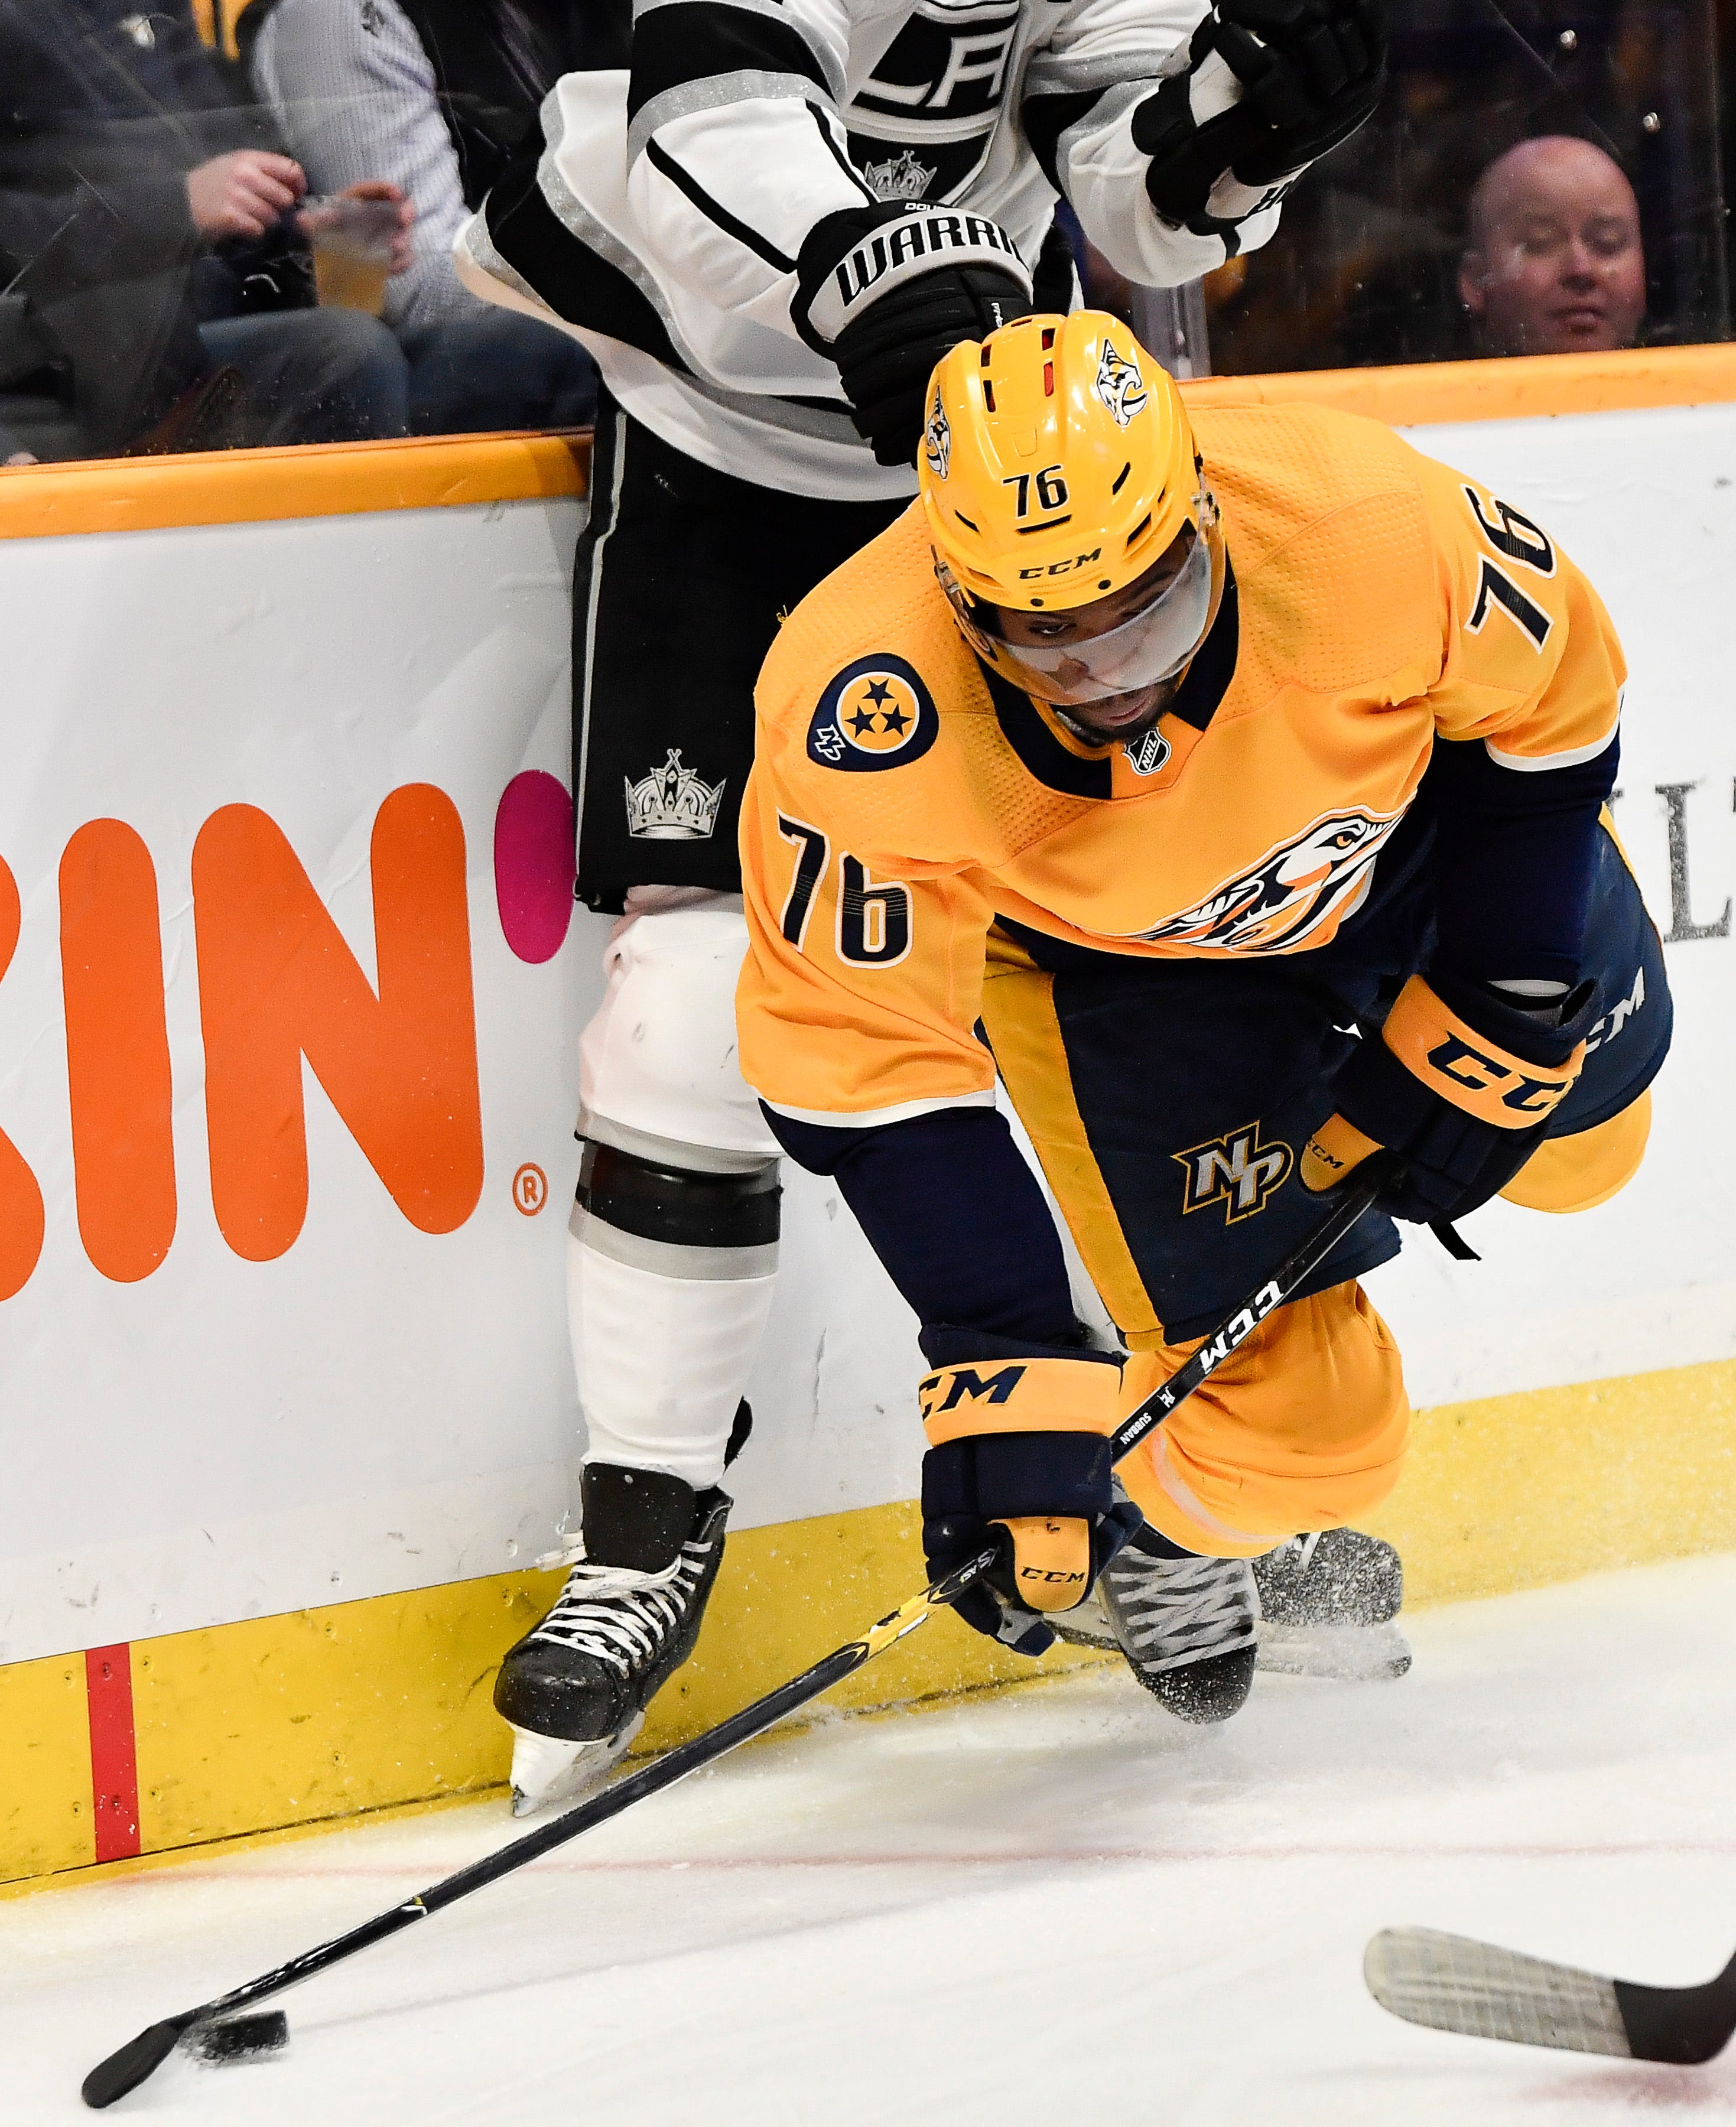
(130, 2065)
(1452, 1983)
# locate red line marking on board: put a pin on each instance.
(114, 1756)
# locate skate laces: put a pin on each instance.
(621, 1617)
(1295, 1555)
(1176, 1610)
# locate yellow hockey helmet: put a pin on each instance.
(1058, 468)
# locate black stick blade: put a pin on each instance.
(240, 2038)
(1686, 2024)
(125, 2069)
(1451, 1983)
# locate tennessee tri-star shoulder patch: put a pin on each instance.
(877, 713)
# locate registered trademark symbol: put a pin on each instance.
(530, 1189)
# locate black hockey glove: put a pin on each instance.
(1019, 1455)
(886, 290)
(1309, 72)
(1461, 1085)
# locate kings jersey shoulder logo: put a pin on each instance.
(1295, 888)
(877, 713)
(672, 804)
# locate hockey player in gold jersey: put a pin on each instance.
(1231, 789)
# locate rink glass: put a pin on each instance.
(1365, 270)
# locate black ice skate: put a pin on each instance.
(1186, 1626)
(1327, 1601)
(576, 1689)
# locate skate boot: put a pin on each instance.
(1186, 1626)
(1327, 1601)
(575, 1689)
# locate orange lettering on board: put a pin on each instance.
(276, 982)
(117, 1050)
(21, 1201)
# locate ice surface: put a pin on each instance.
(1054, 1904)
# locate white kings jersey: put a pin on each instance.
(662, 217)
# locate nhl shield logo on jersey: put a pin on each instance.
(1119, 384)
(1234, 1170)
(1147, 753)
(672, 804)
(877, 713)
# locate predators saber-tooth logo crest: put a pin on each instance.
(672, 804)
(1119, 384)
(938, 438)
(1297, 888)
(1235, 1170)
(877, 713)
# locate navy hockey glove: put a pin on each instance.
(1461, 1085)
(1270, 86)
(887, 291)
(1019, 1455)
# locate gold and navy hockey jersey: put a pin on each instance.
(904, 797)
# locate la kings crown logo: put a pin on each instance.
(921, 127)
(672, 804)
(898, 177)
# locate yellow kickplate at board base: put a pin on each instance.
(45, 1819)
(1522, 1491)
(387, 1703)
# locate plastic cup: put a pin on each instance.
(352, 241)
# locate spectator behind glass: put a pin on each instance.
(1554, 263)
(147, 233)
(434, 93)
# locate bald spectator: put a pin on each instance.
(1554, 264)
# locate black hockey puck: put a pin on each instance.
(239, 2037)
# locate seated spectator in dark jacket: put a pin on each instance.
(434, 94)
(1554, 263)
(150, 223)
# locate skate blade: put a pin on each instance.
(1348, 1654)
(1085, 1626)
(548, 1770)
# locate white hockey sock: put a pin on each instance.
(662, 1362)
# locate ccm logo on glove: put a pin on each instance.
(1031, 1395)
(1053, 1561)
(1488, 1082)
(1461, 1085)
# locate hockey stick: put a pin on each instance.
(1451, 1983)
(126, 2068)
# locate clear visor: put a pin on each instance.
(1150, 646)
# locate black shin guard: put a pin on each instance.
(675, 1207)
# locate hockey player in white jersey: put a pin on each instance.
(767, 231)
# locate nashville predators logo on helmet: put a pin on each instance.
(938, 438)
(1119, 384)
(877, 713)
(1294, 889)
